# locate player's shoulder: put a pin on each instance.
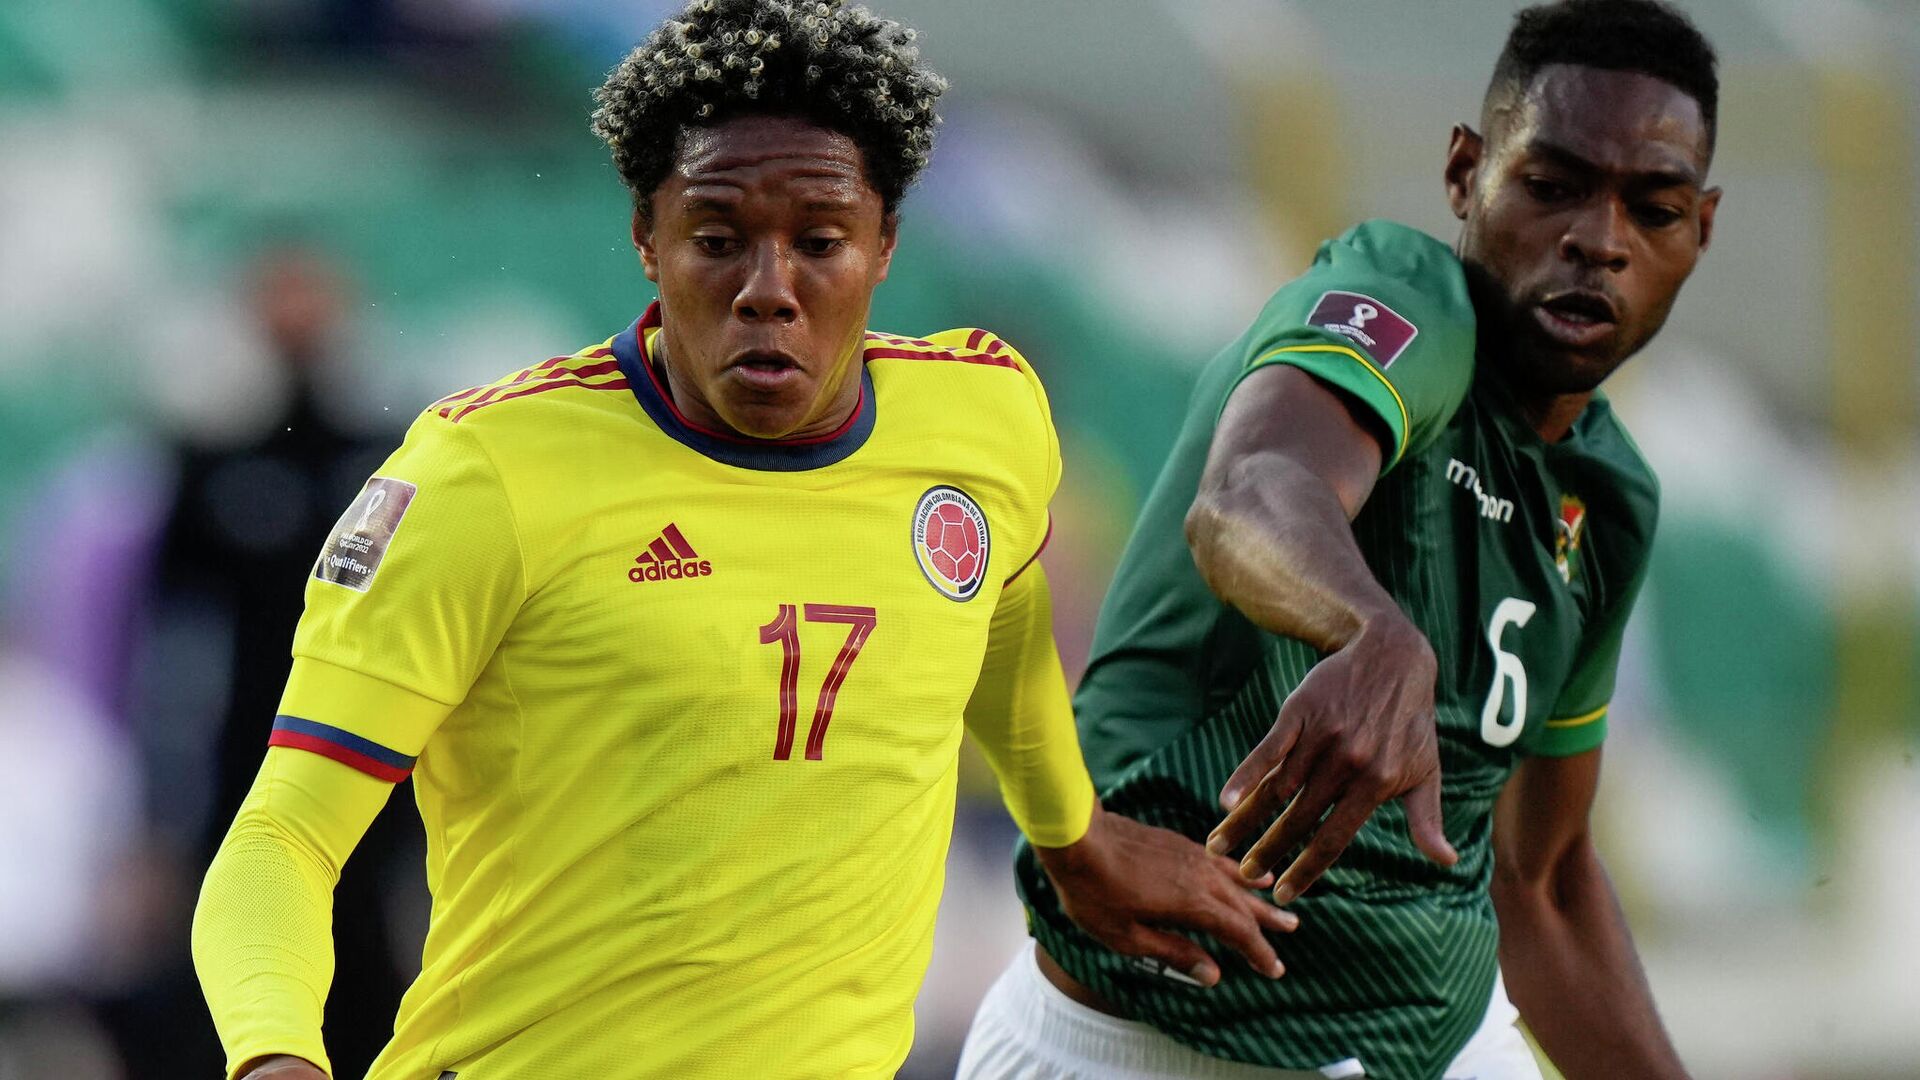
(528, 394)
(992, 376)
(1619, 489)
(971, 346)
(1605, 437)
(1414, 277)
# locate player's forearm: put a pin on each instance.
(1274, 540)
(262, 932)
(1571, 968)
(1022, 718)
(263, 947)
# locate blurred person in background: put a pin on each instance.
(1417, 532)
(249, 514)
(592, 600)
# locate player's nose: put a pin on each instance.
(767, 292)
(1596, 235)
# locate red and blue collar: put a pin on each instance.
(773, 455)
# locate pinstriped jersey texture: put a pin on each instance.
(1492, 542)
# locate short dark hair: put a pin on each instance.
(1644, 36)
(838, 66)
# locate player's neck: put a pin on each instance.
(843, 400)
(1550, 415)
(1546, 412)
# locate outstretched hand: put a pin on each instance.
(1357, 731)
(1131, 885)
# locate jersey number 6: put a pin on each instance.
(785, 629)
(1507, 670)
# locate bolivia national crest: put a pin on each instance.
(950, 542)
(1567, 532)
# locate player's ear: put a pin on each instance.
(643, 243)
(889, 238)
(1464, 153)
(1709, 205)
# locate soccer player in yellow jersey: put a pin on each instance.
(677, 636)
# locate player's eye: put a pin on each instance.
(1657, 215)
(715, 245)
(1546, 189)
(819, 245)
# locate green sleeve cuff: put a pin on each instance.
(1345, 368)
(1571, 735)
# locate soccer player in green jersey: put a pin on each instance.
(1402, 519)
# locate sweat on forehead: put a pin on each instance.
(1601, 114)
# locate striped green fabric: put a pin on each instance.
(1395, 957)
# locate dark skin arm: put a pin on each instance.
(1292, 462)
(1568, 959)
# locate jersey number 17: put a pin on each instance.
(785, 629)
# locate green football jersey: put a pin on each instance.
(1517, 558)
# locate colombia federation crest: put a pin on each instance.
(950, 541)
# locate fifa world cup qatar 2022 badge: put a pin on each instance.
(1379, 330)
(950, 541)
(359, 539)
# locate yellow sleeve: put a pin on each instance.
(262, 931)
(415, 587)
(1023, 719)
(406, 603)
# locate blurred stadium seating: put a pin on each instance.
(1117, 188)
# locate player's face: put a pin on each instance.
(1585, 209)
(767, 241)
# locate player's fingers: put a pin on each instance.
(1242, 892)
(1176, 952)
(1263, 759)
(1267, 799)
(1426, 824)
(1242, 933)
(1291, 828)
(1231, 867)
(1275, 919)
(1329, 841)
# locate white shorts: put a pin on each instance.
(1026, 1029)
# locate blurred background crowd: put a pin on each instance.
(242, 242)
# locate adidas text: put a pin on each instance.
(670, 571)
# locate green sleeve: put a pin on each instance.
(1383, 314)
(1578, 721)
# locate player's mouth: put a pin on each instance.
(1577, 318)
(766, 369)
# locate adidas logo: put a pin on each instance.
(669, 558)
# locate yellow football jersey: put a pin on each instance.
(685, 707)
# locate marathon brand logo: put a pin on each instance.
(1366, 322)
(1463, 475)
(669, 558)
(359, 539)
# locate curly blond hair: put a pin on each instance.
(839, 66)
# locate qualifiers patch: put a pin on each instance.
(951, 542)
(1366, 322)
(360, 538)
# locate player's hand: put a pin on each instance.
(282, 1067)
(1129, 885)
(1357, 731)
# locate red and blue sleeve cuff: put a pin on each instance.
(343, 746)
